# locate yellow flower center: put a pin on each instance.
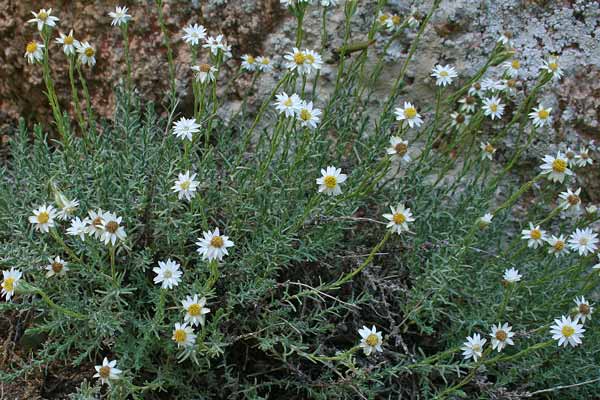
(43, 217)
(494, 107)
(567, 331)
(310, 58)
(204, 68)
(536, 234)
(383, 18)
(57, 267)
(89, 52)
(583, 241)
(112, 226)
(266, 61)
(195, 310)
(185, 185)
(288, 102)
(217, 241)
(401, 149)
(399, 218)
(43, 16)
(410, 112)
(584, 309)
(69, 40)
(476, 348)
(104, 372)
(559, 245)
(559, 165)
(372, 340)
(444, 73)
(31, 47)
(553, 65)
(179, 336)
(573, 199)
(396, 19)
(305, 115)
(543, 114)
(167, 274)
(250, 60)
(501, 335)
(299, 58)
(330, 181)
(515, 64)
(9, 284)
(489, 148)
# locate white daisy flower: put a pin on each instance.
(584, 309)
(492, 85)
(308, 116)
(43, 18)
(264, 64)
(459, 119)
(475, 90)
(567, 331)
(409, 114)
(512, 275)
(444, 74)
(383, 19)
(591, 209)
(485, 221)
(185, 128)
(558, 245)
(541, 116)
(107, 372)
(583, 158)
(556, 167)
(571, 156)
(67, 207)
(87, 54)
(119, 16)
(193, 34)
(553, 67)
(195, 310)
(216, 44)
(34, 52)
(249, 63)
(167, 273)
(43, 218)
(69, 43)
(506, 39)
(96, 223)
(287, 105)
(303, 61)
(399, 218)
(398, 149)
(487, 151)
(473, 347)
(330, 181)
(10, 282)
(204, 73)
(78, 227)
(584, 241)
(393, 22)
(570, 199)
(313, 60)
(185, 186)
(501, 336)
(57, 267)
(184, 335)
(467, 104)
(213, 246)
(112, 229)
(493, 107)
(512, 68)
(534, 235)
(371, 340)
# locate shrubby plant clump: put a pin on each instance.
(321, 247)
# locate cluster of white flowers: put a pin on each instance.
(303, 61)
(260, 63)
(293, 106)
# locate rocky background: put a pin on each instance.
(462, 33)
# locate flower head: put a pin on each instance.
(308, 116)
(78, 227)
(399, 218)
(249, 63)
(485, 220)
(264, 64)
(218, 44)
(584, 241)
(541, 116)
(193, 34)
(398, 149)
(558, 245)
(213, 245)
(204, 72)
(552, 66)
(583, 158)
(501, 336)
(96, 223)
(567, 331)
(473, 347)
(43, 218)
(467, 104)
(10, 282)
(185, 186)
(184, 335)
(330, 181)
(287, 105)
(487, 151)
(34, 52)
(409, 114)
(305, 62)
(512, 68)
(195, 310)
(43, 18)
(371, 340)
(112, 229)
(57, 267)
(512, 275)
(185, 128)
(69, 43)
(534, 235)
(67, 207)
(107, 372)
(167, 273)
(444, 74)
(556, 167)
(87, 54)
(493, 107)
(119, 16)
(584, 309)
